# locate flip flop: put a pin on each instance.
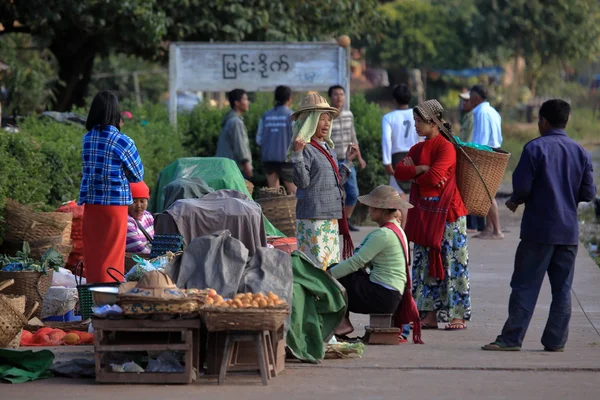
(497, 346)
(402, 339)
(455, 326)
(425, 326)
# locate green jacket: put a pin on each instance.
(318, 307)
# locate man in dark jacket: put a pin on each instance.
(553, 176)
(233, 142)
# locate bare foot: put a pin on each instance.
(345, 327)
(490, 236)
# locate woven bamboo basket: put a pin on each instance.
(18, 302)
(249, 186)
(32, 285)
(279, 208)
(24, 224)
(12, 319)
(243, 319)
(478, 177)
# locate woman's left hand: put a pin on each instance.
(421, 169)
(351, 152)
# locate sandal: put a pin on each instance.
(425, 326)
(402, 339)
(497, 346)
(455, 326)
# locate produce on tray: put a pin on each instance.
(244, 300)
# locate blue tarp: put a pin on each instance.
(471, 72)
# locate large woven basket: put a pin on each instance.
(24, 224)
(32, 285)
(244, 319)
(280, 209)
(478, 177)
(65, 326)
(12, 319)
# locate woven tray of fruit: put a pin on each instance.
(245, 311)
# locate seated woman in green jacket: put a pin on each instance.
(384, 252)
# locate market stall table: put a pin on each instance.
(114, 336)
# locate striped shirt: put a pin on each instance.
(136, 240)
(110, 162)
(343, 133)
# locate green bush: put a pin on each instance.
(41, 165)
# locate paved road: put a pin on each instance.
(450, 365)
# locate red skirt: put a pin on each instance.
(104, 237)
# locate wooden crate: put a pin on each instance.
(131, 335)
(246, 354)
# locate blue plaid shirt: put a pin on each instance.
(110, 162)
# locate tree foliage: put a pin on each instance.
(76, 31)
(417, 33)
(543, 32)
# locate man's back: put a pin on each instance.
(487, 126)
(398, 133)
(553, 176)
(276, 134)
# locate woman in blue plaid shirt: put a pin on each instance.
(110, 162)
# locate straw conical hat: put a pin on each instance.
(155, 285)
(386, 197)
(315, 102)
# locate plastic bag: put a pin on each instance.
(65, 278)
(166, 362)
(144, 266)
(473, 145)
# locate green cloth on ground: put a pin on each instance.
(22, 366)
(473, 145)
(218, 173)
(382, 252)
(318, 307)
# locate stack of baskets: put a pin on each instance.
(40, 230)
(279, 208)
(478, 177)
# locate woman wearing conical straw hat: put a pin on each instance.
(386, 289)
(320, 215)
(437, 224)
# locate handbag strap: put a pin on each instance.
(139, 224)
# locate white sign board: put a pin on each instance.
(255, 66)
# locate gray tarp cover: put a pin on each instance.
(221, 262)
(185, 188)
(219, 210)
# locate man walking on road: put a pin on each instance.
(398, 135)
(233, 141)
(487, 131)
(553, 176)
(343, 135)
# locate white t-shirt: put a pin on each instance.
(398, 133)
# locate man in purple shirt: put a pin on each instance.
(553, 176)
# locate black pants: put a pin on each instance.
(366, 297)
(532, 261)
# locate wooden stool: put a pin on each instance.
(264, 352)
(380, 330)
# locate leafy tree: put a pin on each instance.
(76, 31)
(432, 34)
(27, 79)
(543, 32)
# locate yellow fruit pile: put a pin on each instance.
(246, 300)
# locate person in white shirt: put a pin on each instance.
(398, 136)
(487, 131)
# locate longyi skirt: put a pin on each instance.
(104, 237)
